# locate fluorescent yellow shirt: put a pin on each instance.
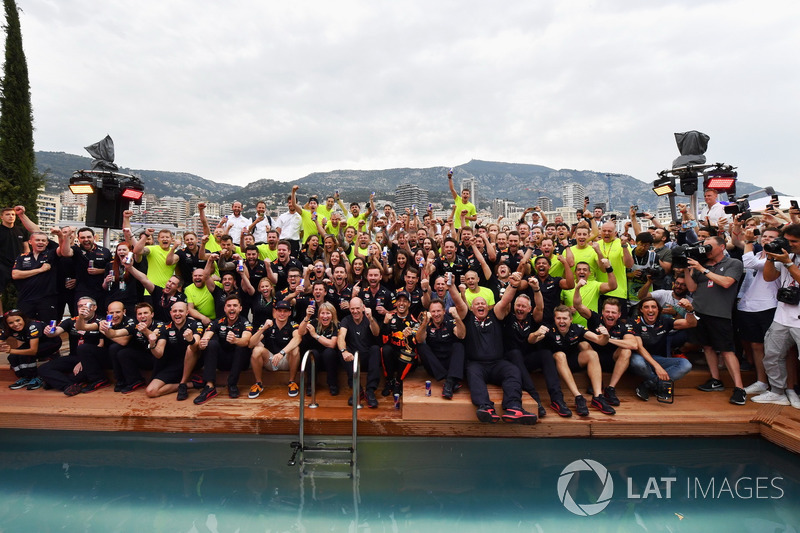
(202, 299)
(482, 292)
(613, 252)
(469, 207)
(586, 255)
(590, 294)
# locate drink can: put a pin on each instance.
(397, 401)
(109, 318)
(427, 388)
(240, 266)
(91, 263)
(129, 258)
(449, 278)
(312, 303)
(52, 324)
(422, 263)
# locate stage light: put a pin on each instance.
(81, 188)
(132, 194)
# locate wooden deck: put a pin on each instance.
(694, 413)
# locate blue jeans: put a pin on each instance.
(676, 367)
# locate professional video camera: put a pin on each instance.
(681, 254)
(778, 246)
(654, 271)
(741, 207)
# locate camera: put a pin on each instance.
(778, 246)
(641, 214)
(741, 207)
(789, 295)
(681, 254)
(665, 391)
(655, 271)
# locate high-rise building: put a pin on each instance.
(505, 208)
(49, 211)
(573, 194)
(409, 194)
(73, 213)
(472, 185)
(545, 203)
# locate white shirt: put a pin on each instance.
(260, 230)
(756, 294)
(787, 315)
(289, 224)
(667, 297)
(713, 213)
(238, 224)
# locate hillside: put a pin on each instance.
(513, 181)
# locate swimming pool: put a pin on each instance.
(161, 482)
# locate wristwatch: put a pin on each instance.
(706, 271)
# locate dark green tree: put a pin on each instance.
(19, 179)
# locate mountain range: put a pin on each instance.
(522, 183)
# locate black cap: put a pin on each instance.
(283, 304)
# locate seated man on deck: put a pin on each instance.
(225, 345)
(486, 362)
(276, 346)
(175, 348)
(570, 345)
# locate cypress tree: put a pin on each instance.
(19, 180)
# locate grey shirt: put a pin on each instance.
(715, 300)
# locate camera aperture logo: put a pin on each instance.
(585, 509)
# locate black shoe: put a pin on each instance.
(360, 397)
(518, 415)
(643, 391)
(447, 390)
(372, 401)
(600, 402)
(398, 387)
(334, 390)
(21, 383)
(457, 385)
(183, 392)
(580, 406)
(132, 387)
(610, 394)
(197, 381)
(487, 414)
(206, 394)
(561, 409)
(388, 386)
(95, 385)
(542, 411)
(711, 385)
(74, 389)
(119, 386)
(233, 391)
(739, 397)
(35, 383)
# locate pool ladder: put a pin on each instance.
(323, 455)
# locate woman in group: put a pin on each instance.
(121, 286)
(25, 343)
(397, 272)
(262, 302)
(311, 251)
(321, 334)
(358, 271)
(337, 258)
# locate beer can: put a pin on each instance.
(427, 388)
(129, 258)
(396, 401)
(109, 318)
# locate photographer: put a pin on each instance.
(715, 286)
(782, 264)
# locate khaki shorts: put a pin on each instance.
(282, 365)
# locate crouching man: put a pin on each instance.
(571, 350)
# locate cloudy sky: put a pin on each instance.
(241, 90)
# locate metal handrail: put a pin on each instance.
(356, 397)
(313, 404)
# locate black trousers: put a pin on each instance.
(129, 361)
(500, 372)
(443, 364)
(58, 372)
(533, 359)
(224, 356)
(24, 366)
(95, 360)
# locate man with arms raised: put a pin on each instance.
(486, 362)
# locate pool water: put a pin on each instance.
(107, 482)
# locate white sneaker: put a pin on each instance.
(793, 398)
(756, 388)
(771, 397)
